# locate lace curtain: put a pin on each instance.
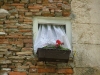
(48, 34)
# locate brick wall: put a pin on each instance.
(16, 47)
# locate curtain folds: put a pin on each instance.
(48, 34)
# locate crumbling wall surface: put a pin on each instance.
(86, 36)
(16, 45)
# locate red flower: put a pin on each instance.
(58, 42)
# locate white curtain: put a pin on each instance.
(48, 34)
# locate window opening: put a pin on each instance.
(48, 34)
(46, 21)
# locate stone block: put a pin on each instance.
(32, 1)
(86, 55)
(18, 61)
(24, 1)
(33, 70)
(6, 69)
(4, 66)
(16, 57)
(25, 26)
(86, 71)
(3, 73)
(39, 1)
(86, 33)
(66, 71)
(1, 3)
(24, 53)
(93, 8)
(81, 11)
(5, 62)
(16, 1)
(3, 50)
(58, 13)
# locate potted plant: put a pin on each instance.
(54, 53)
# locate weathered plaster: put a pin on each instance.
(86, 36)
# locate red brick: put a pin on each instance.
(27, 20)
(45, 1)
(27, 49)
(9, 26)
(21, 13)
(28, 14)
(67, 71)
(6, 7)
(20, 20)
(29, 45)
(22, 10)
(24, 26)
(34, 74)
(17, 4)
(58, 1)
(1, 22)
(2, 16)
(66, 13)
(19, 43)
(28, 40)
(17, 73)
(35, 6)
(59, 4)
(46, 70)
(19, 7)
(34, 10)
(25, 30)
(2, 41)
(15, 36)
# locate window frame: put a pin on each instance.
(57, 20)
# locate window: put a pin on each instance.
(52, 20)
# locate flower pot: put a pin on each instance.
(53, 55)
